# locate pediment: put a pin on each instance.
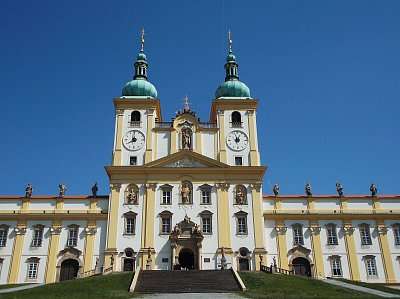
(300, 250)
(186, 159)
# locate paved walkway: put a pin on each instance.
(25, 287)
(360, 288)
(194, 295)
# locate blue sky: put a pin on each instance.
(327, 74)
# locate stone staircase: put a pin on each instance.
(191, 281)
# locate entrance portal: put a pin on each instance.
(244, 264)
(129, 264)
(301, 266)
(186, 259)
(69, 269)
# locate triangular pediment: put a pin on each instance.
(186, 159)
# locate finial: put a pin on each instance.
(142, 39)
(230, 40)
(186, 103)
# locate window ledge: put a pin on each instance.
(126, 234)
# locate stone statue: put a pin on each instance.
(261, 259)
(186, 139)
(374, 190)
(131, 197)
(274, 261)
(94, 190)
(308, 190)
(275, 189)
(62, 190)
(112, 260)
(148, 261)
(239, 196)
(339, 189)
(185, 193)
(223, 259)
(28, 190)
(96, 266)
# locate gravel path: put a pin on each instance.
(29, 286)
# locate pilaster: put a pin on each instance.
(13, 273)
(198, 142)
(112, 232)
(91, 231)
(149, 136)
(117, 157)
(280, 230)
(224, 234)
(351, 251)
(254, 154)
(173, 141)
(315, 229)
(53, 250)
(222, 146)
(385, 251)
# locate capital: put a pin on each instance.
(382, 230)
(151, 186)
(55, 230)
(115, 187)
(119, 112)
(223, 186)
(91, 230)
(280, 230)
(315, 230)
(20, 230)
(348, 230)
(256, 186)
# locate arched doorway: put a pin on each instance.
(69, 269)
(301, 266)
(186, 259)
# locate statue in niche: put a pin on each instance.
(275, 189)
(308, 190)
(94, 190)
(131, 196)
(28, 190)
(374, 190)
(186, 139)
(240, 196)
(339, 189)
(63, 189)
(185, 193)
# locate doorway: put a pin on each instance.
(186, 259)
(244, 264)
(301, 266)
(129, 264)
(69, 269)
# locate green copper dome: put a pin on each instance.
(232, 89)
(139, 88)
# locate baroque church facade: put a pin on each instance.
(187, 194)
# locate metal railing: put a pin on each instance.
(164, 124)
(275, 269)
(134, 124)
(236, 124)
(207, 125)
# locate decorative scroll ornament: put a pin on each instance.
(256, 186)
(280, 230)
(119, 112)
(56, 230)
(91, 230)
(115, 187)
(382, 230)
(315, 230)
(223, 186)
(151, 186)
(20, 230)
(348, 230)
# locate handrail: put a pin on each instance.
(275, 269)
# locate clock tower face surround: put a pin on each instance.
(237, 140)
(133, 140)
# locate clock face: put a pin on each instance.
(237, 140)
(133, 140)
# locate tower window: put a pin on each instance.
(205, 192)
(238, 161)
(236, 119)
(133, 160)
(135, 119)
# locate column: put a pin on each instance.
(117, 157)
(254, 155)
(315, 229)
(54, 242)
(112, 233)
(385, 252)
(91, 231)
(258, 223)
(13, 273)
(148, 223)
(351, 251)
(199, 253)
(222, 146)
(149, 136)
(280, 230)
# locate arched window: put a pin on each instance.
(165, 222)
(130, 223)
(241, 223)
(135, 119)
(206, 222)
(236, 119)
(365, 234)
(331, 234)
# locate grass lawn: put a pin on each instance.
(375, 286)
(9, 286)
(261, 285)
(107, 286)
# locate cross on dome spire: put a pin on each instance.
(186, 103)
(230, 40)
(142, 39)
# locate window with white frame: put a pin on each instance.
(33, 267)
(206, 222)
(3, 235)
(336, 266)
(370, 265)
(165, 222)
(241, 223)
(297, 234)
(72, 239)
(130, 223)
(37, 235)
(396, 233)
(205, 191)
(331, 234)
(166, 194)
(365, 234)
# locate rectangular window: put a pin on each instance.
(205, 197)
(3, 237)
(396, 231)
(166, 197)
(365, 236)
(72, 237)
(238, 161)
(336, 267)
(331, 235)
(166, 225)
(130, 226)
(298, 235)
(32, 270)
(206, 223)
(133, 161)
(371, 267)
(37, 237)
(242, 225)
